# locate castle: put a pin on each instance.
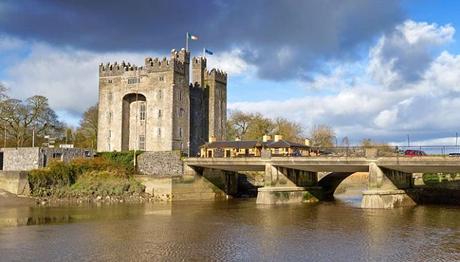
(156, 108)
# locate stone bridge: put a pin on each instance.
(295, 179)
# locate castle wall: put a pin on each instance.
(177, 117)
(162, 83)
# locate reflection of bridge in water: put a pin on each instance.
(295, 179)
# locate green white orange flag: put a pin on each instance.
(192, 37)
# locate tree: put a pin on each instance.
(238, 124)
(253, 126)
(291, 131)
(258, 127)
(86, 134)
(345, 141)
(22, 118)
(322, 136)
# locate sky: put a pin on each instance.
(369, 69)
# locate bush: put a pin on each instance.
(58, 178)
(121, 159)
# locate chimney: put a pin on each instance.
(266, 138)
(212, 139)
(307, 142)
(278, 138)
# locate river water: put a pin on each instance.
(234, 230)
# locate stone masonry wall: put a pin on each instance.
(20, 159)
(161, 164)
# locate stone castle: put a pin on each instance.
(156, 108)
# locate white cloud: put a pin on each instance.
(8, 43)
(68, 77)
(380, 97)
(402, 56)
(231, 62)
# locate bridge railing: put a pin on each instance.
(387, 151)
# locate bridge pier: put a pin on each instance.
(286, 185)
(386, 188)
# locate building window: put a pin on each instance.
(159, 95)
(180, 95)
(180, 132)
(142, 112)
(161, 78)
(110, 117)
(159, 132)
(133, 81)
(110, 133)
(159, 113)
(181, 112)
(110, 96)
(109, 81)
(141, 142)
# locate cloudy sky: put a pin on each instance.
(370, 69)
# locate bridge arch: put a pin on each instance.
(134, 108)
(331, 181)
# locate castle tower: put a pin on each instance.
(216, 83)
(145, 108)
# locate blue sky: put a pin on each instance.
(369, 69)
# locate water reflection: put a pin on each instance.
(230, 230)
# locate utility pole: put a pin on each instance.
(408, 141)
(4, 138)
(33, 137)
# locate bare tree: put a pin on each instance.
(22, 118)
(322, 136)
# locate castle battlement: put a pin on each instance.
(116, 69)
(217, 75)
(198, 62)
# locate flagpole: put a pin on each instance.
(186, 41)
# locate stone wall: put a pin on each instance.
(28, 158)
(160, 164)
(14, 182)
(20, 159)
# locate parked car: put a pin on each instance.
(412, 153)
(454, 154)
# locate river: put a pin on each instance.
(234, 230)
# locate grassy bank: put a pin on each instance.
(107, 175)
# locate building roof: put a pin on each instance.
(253, 143)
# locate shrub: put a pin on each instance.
(58, 178)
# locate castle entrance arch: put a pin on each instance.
(133, 121)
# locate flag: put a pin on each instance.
(192, 37)
(206, 51)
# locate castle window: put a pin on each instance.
(133, 81)
(180, 132)
(109, 81)
(159, 113)
(180, 95)
(159, 94)
(161, 78)
(181, 112)
(142, 112)
(110, 133)
(110, 97)
(159, 132)
(110, 117)
(141, 142)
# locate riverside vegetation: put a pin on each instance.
(107, 177)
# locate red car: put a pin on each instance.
(412, 153)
